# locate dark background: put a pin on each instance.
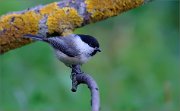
(137, 70)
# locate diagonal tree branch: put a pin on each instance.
(58, 18)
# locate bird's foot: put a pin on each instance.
(76, 69)
(74, 82)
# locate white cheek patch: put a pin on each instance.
(83, 47)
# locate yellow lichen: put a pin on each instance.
(63, 19)
(49, 9)
(101, 9)
(15, 26)
(4, 20)
(31, 22)
(25, 23)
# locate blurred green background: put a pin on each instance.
(138, 69)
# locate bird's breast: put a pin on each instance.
(81, 59)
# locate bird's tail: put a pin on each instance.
(35, 37)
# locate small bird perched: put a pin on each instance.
(74, 49)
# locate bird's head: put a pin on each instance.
(92, 42)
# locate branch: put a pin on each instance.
(58, 18)
(79, 77)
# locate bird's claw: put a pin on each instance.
(75, 71)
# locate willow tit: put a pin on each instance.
(74, 49)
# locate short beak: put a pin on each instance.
(98, 49)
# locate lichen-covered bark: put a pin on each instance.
(59, 18)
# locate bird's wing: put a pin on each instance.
(65, 47)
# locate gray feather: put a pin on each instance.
(63, 44)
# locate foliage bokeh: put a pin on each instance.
(138, 69)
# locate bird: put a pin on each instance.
(73, 49)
